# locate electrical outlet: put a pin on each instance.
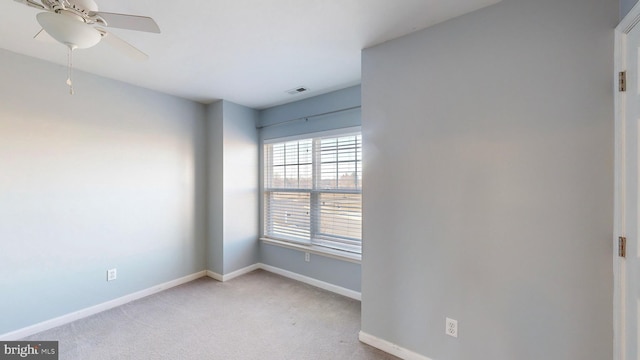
(307, 257)
(451, 327)
(112, 274)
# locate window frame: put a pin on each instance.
(351, 248)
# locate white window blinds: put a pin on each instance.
(313, 191)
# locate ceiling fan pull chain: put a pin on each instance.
(69, 70)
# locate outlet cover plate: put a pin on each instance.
(451, 327)
(112, 274)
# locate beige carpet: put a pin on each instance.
(256, 316)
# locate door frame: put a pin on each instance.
(629, 22)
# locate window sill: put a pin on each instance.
(318, 250)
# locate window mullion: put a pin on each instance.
(356, 163)
(315, 174)
(337, 165)
(314, 218)
(298, 163)
(284, 165)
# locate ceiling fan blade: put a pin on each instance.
(42, 35)
(33, 3)
(122, 45)
(130, 22)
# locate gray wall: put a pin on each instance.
(109, 177)
(625, 6)
(337, 272)
(489, 194)
(233, 187)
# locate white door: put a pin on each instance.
(627, 269)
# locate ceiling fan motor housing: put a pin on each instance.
(80, 6)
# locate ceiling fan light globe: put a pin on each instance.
(69, 31)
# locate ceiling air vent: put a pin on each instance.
(298, 90)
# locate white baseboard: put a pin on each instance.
(234, 274)
(311, 281)
(390, 348)
(214, 275)
(77, 315)
(288, 274)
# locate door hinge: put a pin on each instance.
(622, 246)
(622, 81)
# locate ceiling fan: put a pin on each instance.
(78, 24)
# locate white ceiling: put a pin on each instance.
(246, 51)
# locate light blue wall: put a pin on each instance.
(341, 273)
(337, 272)
(489, 193)
(241, 191)
(111, 177)
(233, 187)
(333, 101)
(625, 6)
(215, 188)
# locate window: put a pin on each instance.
(313, 191)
